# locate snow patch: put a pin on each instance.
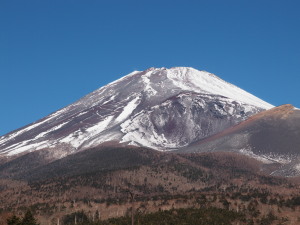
(98, 128)
(78, 138)
(114, 136)
(48, 131)
(148, 88)
(121, 79)
(26, 147)
(128, 109)
(269, 158)
(297, 167)
(251, 154)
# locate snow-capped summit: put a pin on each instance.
(192, 79)
(159, 108)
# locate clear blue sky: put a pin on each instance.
(52, 52)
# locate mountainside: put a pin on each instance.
(164, 109)
(102, 180)
(272, 136)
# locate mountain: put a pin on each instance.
(159, 108)
(155, 140)
(271, 136)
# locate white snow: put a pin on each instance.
(297, 167)
(111, 136)
(48, 131)
(148, 88)
(250, 153)
(193, 80)
(98, 128)
(121, 79)
(140, 130)
(74, 139)
(269, 158)
(82, 113)
(30, 127)
(27, 147)
(77, 138)
(283, 159)
(128, 109)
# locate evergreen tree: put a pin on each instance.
(13, 220)
(97, 215)
(29, 219)
(79, 217)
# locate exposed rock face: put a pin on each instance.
(184, 119)
(164, 109)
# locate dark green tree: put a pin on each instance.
(13, 220)
(29, 219)
(76, 217)
(97, 215)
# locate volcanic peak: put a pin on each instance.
(145, 108)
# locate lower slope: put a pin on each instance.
(272, 136)
(103, 178)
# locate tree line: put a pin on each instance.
(28, 219)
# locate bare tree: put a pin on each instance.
(132, 206)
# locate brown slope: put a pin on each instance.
(100, 179)
(273, 131)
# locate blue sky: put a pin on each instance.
(54, 52)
